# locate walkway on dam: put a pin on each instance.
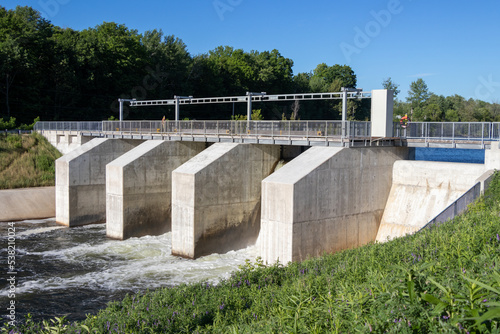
(300, 133)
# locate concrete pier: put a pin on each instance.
(325, 200)
(81, 180)
(216, 198)
(139, 188)
(421, 190)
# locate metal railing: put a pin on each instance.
(304, 129)
(307, 129)
(68, 126)
(454, 131)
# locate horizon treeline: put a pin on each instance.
(62, 74)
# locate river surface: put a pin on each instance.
(77, 271)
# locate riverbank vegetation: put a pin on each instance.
(26, 160)
(62, 74)
(444, 279)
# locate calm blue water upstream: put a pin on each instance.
(77, 271)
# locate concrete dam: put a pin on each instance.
(226, 196)
(216, 197)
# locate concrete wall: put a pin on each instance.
(216, 198)
(27, 203)
(325, 200)
(381, 113)
(65, 141)
(421, 190)
(139, 188)
(81, 180)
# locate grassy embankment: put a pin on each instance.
(443, 279)
(26, 161)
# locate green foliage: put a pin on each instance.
(26, 161)
(442, 279)
(256, 116)
(8, 124)
(418, 94)
(389, 84)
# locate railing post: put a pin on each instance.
(482, 133)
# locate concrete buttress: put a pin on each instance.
(81, 180)
(216, 198)
(139, 188)
(325, 200)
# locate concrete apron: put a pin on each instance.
(216, 198)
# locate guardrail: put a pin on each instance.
(454, 131)
(257, 128)
(427, 131)
(307, 129)
(68, 126)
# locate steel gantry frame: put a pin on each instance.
(250, 97)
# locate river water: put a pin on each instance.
(73, 272)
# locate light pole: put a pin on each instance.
(249, 106)
(121, 106)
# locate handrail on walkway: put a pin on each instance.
(445, 131)
(324, 129)
(452, 131)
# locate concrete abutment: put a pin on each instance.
(216, 198)
(139, 188)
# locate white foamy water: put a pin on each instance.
(80, 266)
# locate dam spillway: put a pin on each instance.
(335, 194)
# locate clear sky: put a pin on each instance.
(453, 45)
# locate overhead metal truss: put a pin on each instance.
(254, 98)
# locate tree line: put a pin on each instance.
(421, 105)
(62, 74)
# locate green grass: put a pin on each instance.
(26, 161)
(442, 280)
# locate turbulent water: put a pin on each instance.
(77, 271)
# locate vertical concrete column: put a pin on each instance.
(216, 198)
(139, 188)
(325, 200)
(382, 112)
(81, 180)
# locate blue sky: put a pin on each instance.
(453, 45)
